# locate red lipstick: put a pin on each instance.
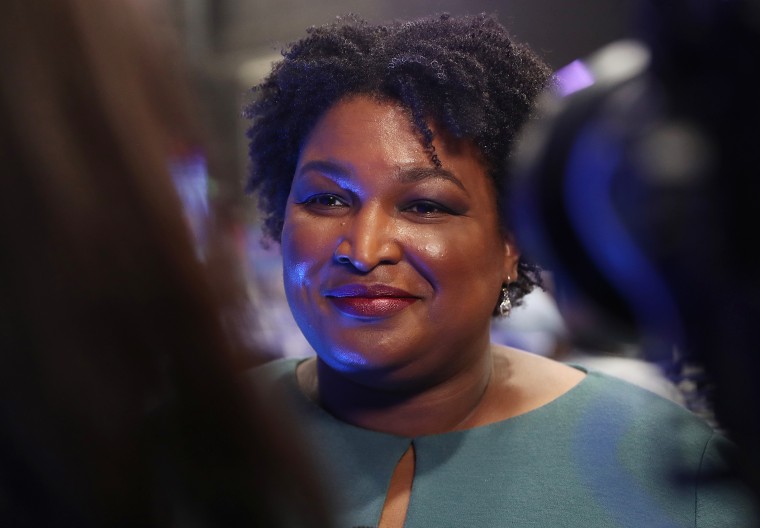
(369, 301)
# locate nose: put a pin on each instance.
(370, 239)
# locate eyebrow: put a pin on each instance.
(405, 175)
(416, 174)
(325, 167)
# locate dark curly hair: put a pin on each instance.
(465, 74)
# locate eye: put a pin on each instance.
(428, 209)
(324, 201)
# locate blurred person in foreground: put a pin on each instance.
(381, 156)
(119, 405)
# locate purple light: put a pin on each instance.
(573, 77)
(191, 179)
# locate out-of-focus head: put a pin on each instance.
(464, 75)
(637, 186)
(91, 108)
(119, 405)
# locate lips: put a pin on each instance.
(369, 301)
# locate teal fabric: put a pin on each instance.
(605, 454)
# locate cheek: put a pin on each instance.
(298, 255)
(295, 273)
(298, 267)
(434, 249)
(465, 255)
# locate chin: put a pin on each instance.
(347, 361)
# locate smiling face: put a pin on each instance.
(393, 266)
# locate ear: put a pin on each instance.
(511, 258)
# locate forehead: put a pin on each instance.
(362, 131)
(364, 125)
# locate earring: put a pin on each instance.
(505, 305)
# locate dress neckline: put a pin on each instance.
(314, 407)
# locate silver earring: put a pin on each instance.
(505, 305)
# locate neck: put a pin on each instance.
(447, 404)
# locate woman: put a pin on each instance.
(118, 400)
(381, 154)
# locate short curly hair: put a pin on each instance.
(465, 74)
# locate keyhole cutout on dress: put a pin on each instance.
(399, 492)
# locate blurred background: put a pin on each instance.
(231, 44)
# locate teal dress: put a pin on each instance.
(604, 454)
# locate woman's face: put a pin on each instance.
(392, 266)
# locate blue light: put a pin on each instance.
(191, 179)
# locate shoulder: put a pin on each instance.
(277, 372)
(603, 403)
(276, 366)
(645, 430)
(625, 431)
